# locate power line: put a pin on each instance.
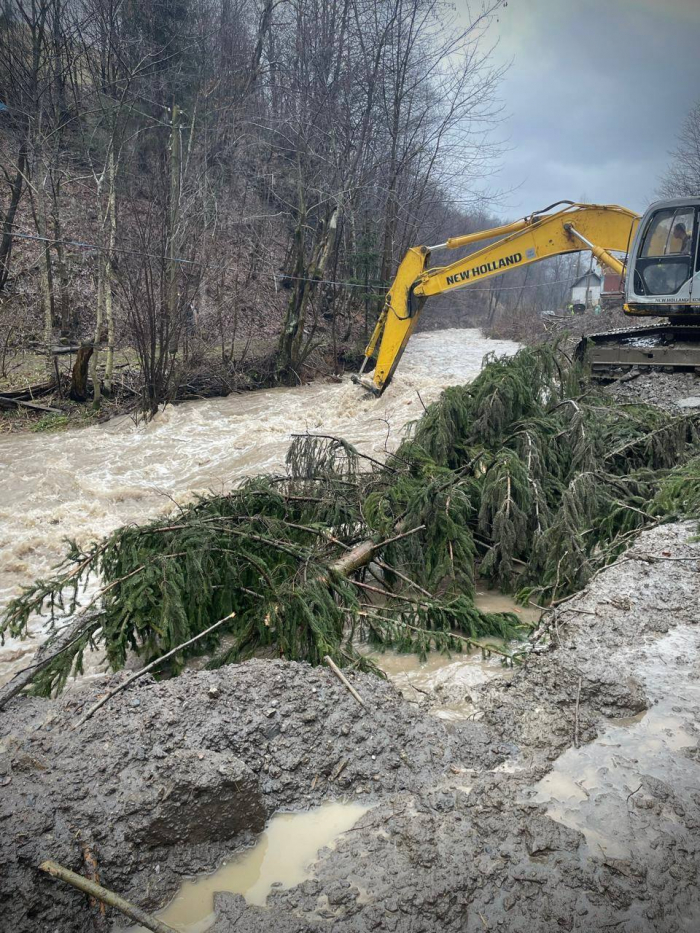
(104, 249)
(178, 259)
(78, 244)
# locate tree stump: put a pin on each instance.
(78, 383)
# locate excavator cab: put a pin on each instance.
(663, 273)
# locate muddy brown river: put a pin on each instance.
(83, 484)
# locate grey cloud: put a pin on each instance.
(595, 95)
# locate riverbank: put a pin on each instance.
(566, 800)
(252, 368)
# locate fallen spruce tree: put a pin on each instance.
(529, 476)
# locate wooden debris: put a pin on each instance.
(344, 681)
(8, 402)
(107, 897)
(91, 865)
(30, 392)
(339, 770)
(149, 667)
(576, 715)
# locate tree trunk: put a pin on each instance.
(8, 220)
(78, 384)
(291, 340)
(109, 272)
(64, 311)
(96, 388)
(46, 276)
(173, 219)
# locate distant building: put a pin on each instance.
(586, 290)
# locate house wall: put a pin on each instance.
(578, 294)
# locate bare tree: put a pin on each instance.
(245, 172)
(682, 178)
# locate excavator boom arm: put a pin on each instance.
(598, 228)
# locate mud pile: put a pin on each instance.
(476, 826)
(168, 776)
(481, 851)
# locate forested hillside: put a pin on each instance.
(234, 170)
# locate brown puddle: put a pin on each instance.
(444, 681)
(282, 856)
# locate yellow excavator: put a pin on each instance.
(659, 262)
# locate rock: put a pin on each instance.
(670, 391)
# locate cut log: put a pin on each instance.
(363, 553)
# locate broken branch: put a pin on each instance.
(144, 670)
(344, 681)
(106, 896)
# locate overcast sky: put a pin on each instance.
(595, 94)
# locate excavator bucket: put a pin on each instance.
(396, 322)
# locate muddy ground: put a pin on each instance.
(674, 392)
(170, 777)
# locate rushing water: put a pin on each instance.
(83, 484)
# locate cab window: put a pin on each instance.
(657, 234)
(670, 233)
(664, 263)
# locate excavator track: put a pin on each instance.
(667, 347)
